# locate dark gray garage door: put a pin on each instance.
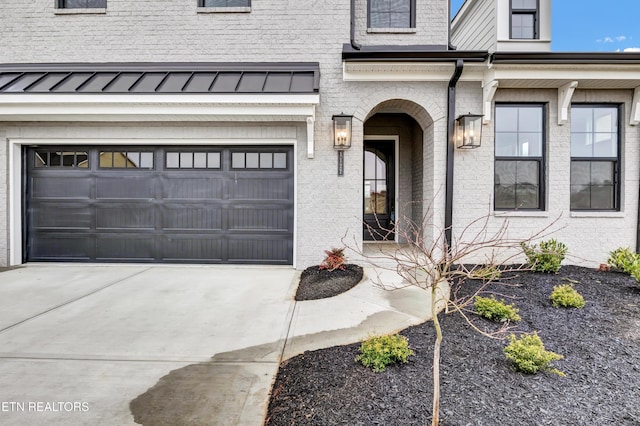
(160, 204)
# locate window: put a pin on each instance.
(193, 160)
(82, 4)
(595, 157)
(224, 3)
(126, 160)
(519, 157)
(44, 158)
(524, 19)
(392, 13)
(258, 160)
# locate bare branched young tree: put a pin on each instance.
(431, 264)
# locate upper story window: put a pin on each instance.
(224, 3)
(595, 157)
(392, 13)
(519, 157)
(524, 19)
(82, 4)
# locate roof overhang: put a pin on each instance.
(410, 63)
(159, 91)
(176, 107)
(564, 72)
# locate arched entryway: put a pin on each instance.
(398, 140)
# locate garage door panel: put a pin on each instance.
(192, 217)
(181, 204)
(247, 250)
(125, 187)
(52, 187)
(266, 219)
(52, 246)
(192, 188)
(121, 247)
(260, 189)
(67, 216)
(126, 217)
(188, 248)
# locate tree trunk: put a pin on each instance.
(435, 420)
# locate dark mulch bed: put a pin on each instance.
(601, 345)
(316, 283)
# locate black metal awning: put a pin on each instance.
(161, 78)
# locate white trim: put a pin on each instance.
(409, 71)
(81, 11)
(215, 9)
(16, 187)
(199, 107)
(15, 204)
(150, 141)
(635, 108)
(488, 94)
(565, 93)
(310, 135)
(597, 214)
(396, 146)
(391, 30)
(520, 213)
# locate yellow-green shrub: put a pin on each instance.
(529, 355)
(565, 296)
(496, 310)
(380, 351)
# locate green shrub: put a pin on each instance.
(546, 257)
(486, 273)
(529, 355)
(496, 310)
(635, 272)
(379, 351)
(623, 259)
(565, 296)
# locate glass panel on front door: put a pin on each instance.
(375, 183)
(379, 188)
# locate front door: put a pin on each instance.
(379, 190)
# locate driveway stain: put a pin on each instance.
(232, 388)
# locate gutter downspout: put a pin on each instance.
(354, 45)
(451, 113)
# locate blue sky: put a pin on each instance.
(592, 25)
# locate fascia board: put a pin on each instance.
(25, 107)
(409, 71)
(533, 72)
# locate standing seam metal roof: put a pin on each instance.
(170, 78)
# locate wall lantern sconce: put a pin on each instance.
(341, 137)
(342, 131)
(468, 131)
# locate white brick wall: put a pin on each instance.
(328, 206)
(4, 202)
(589, 236)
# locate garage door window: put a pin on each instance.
(259, 160)
(192, 160)
(126, 160)
(45, 158)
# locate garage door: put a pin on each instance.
(160, 204)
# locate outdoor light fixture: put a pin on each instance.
(468, 131)
(342, 131)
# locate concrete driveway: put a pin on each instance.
(170, 345)
(79, 343)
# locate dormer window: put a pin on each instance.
(392, 13)
(524, 19)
